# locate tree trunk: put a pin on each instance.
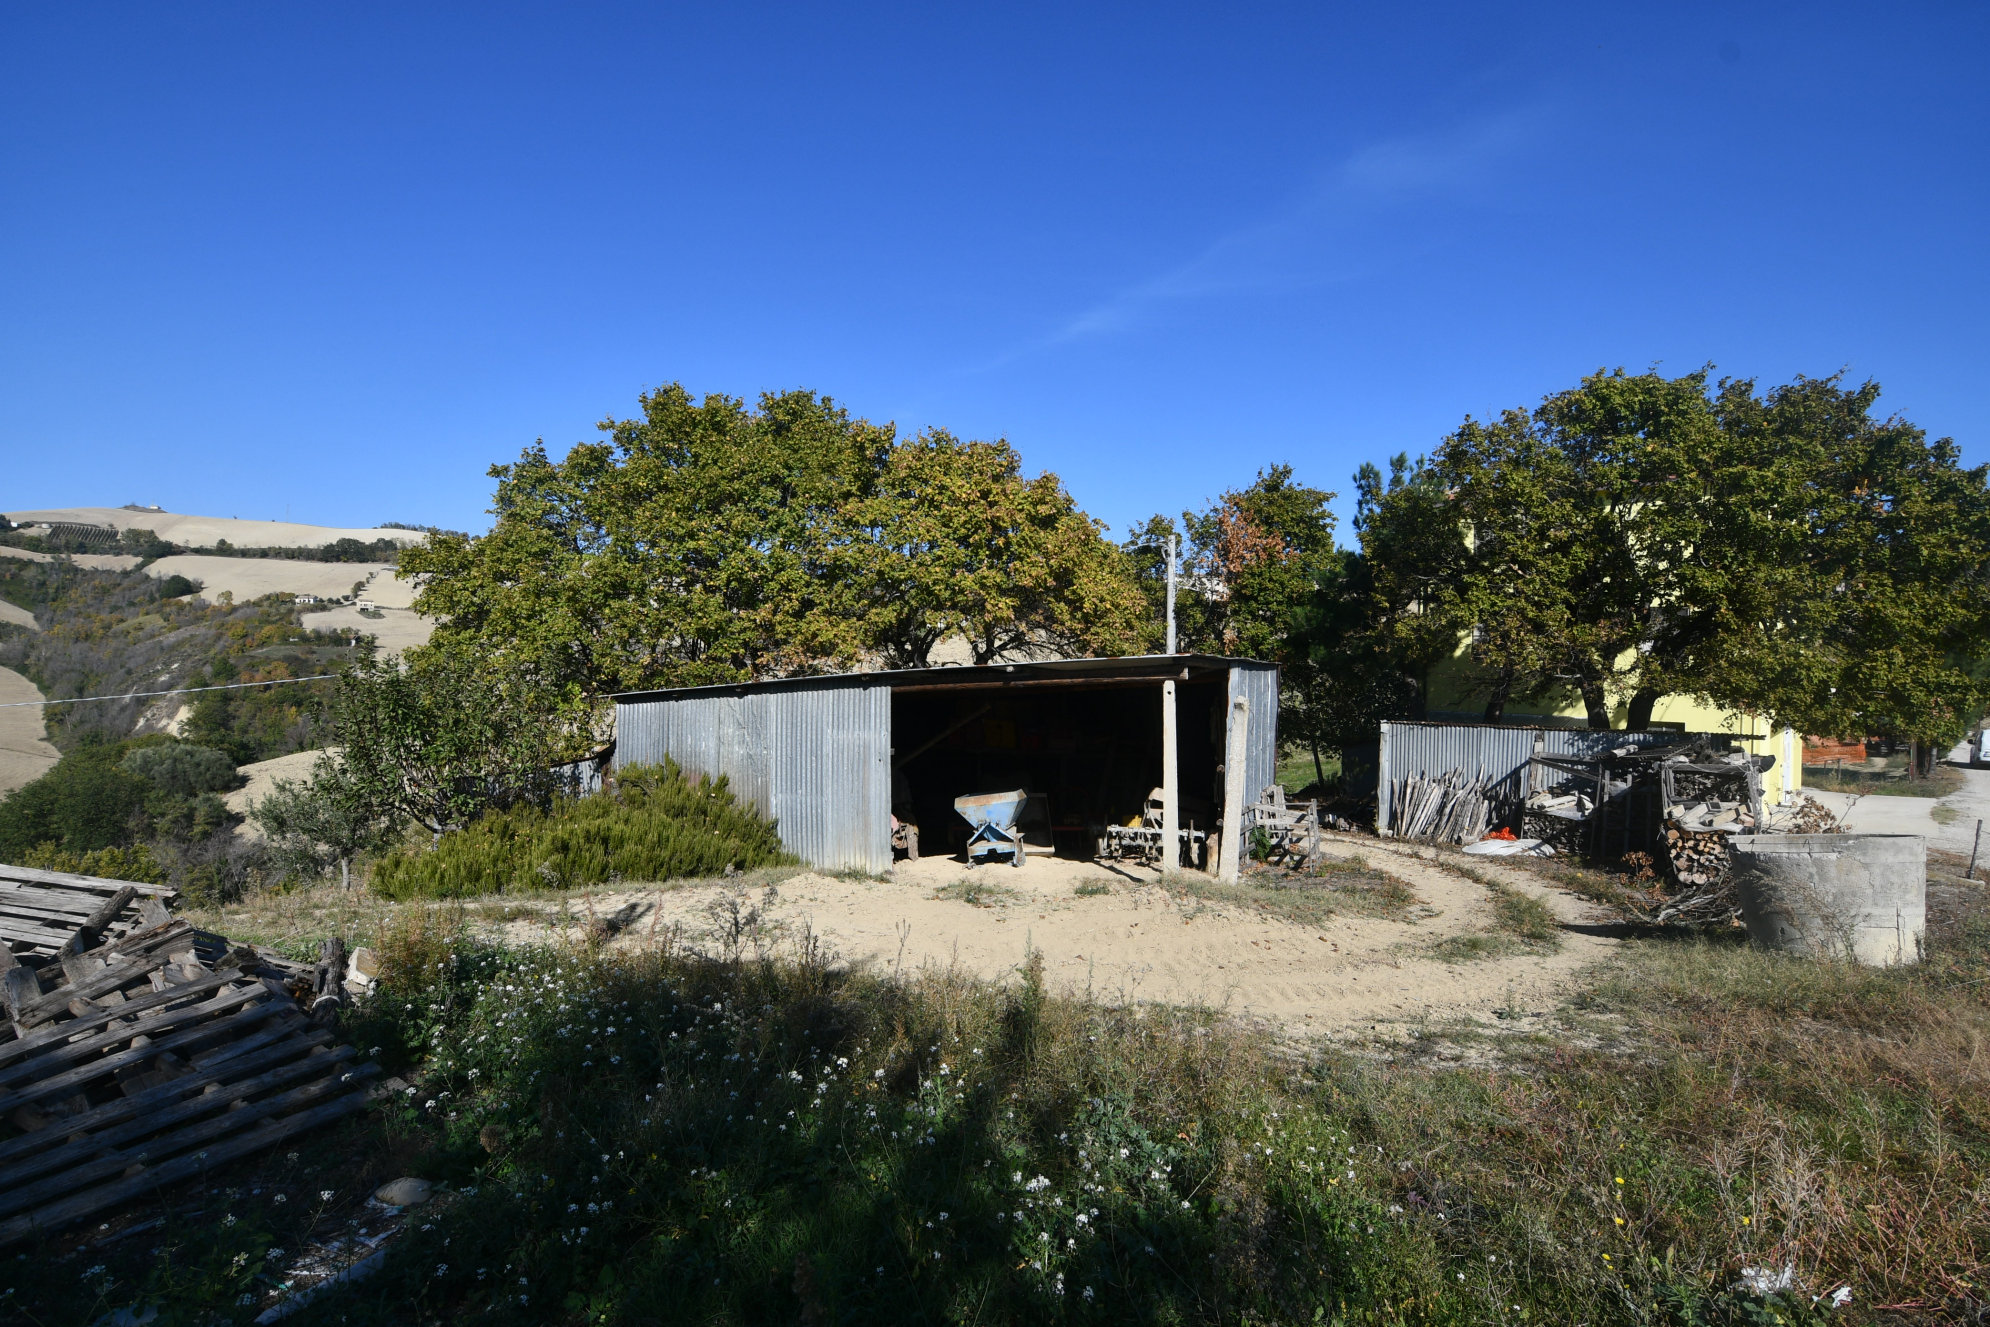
(345, 873)
(1319, 770)
(1496, 702)
(1642, 700)
(1597, 703)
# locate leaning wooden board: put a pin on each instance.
(138, 1051)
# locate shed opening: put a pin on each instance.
(1087, 752)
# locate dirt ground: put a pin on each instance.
(251, 578)
(25, 753)
(396, 629)
(262, 779)
(1137, 939)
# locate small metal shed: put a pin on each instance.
(819, 754)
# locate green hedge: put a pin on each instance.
(655, 825)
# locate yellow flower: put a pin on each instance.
(1744, 1220)
(1620, 1179)
(1620, 1220)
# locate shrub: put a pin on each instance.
(182, 769)
(137, 864)
(656, 825)
(84, 803)
(176, 585)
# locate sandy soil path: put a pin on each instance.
(25, 753)
(18, 615)
(1143, 942)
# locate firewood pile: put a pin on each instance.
(1709, 796)
(1806, 815)
(139, 1051)
(1449, 808)
(1698, 857)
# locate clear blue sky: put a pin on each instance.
(335, 260)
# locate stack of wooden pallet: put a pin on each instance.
(139, 1051)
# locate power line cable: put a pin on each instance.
(176, 691)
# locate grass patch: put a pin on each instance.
(645, 1135)
(1943, 814)
(1889, 783)
(1295, 770)
(1345, 887)
(1525, 917)
(656, 825)
(1092, 888)
(1520, 922)
(977, 891)
(1473, 946)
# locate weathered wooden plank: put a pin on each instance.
(192, 1105)
(19, 988)
(287, 1023)
(73, 1080)
(163, 1095)
(56, 1003)
(74, 1208)
(43, 938)
(152, 1151)
(69, 879)
(58, 1049)
(91, 931)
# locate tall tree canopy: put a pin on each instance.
(710, 542)
(1783, 553)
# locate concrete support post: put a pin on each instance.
(1171, 800)
(1233, 788)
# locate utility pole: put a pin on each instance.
(1171, 801)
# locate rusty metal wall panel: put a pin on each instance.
(817, 758)
(1493, 751)
(1258, 683)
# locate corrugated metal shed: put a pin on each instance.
(815, 753)
(1258, 683)
(1493, 751)
(815, 757)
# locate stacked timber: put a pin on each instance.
(1698, 857)
(138, 1052)
(1447, 809)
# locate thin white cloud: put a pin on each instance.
(1313, 241)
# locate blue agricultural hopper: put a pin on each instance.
(993, 816)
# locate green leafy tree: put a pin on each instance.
(953, 540)
(708, 542)
(694, 546)
(1785, 554)
(1253, 563)
(85, 802)
(437, 742)
(329, 821)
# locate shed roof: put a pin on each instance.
(1043, 672)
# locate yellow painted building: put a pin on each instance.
(1453, 697)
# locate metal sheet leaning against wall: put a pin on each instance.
(814, 756)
